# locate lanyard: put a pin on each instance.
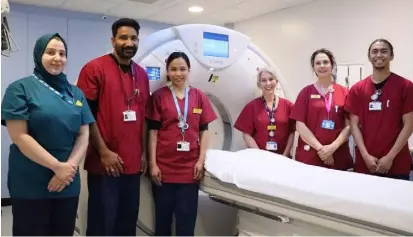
(182, 119)
(135, 89)
(271, 112)
(376, 95)
(328, 102)
(53, 90)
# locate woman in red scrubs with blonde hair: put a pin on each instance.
(320, 118)
(178, 117)
(264, 121)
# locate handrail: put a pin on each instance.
(256, 211)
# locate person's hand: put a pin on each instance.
(156, 174)
(144, 164)
(113, 163)
(329, 161)
(326, 151)
(287, 154)
(384, 164)
(371, 162)
(55, 185)
(198, 170)
(65, 172)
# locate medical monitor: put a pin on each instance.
(215, 45)
(154, 73)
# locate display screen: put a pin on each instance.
(216, 45)
(154, 73)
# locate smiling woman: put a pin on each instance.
(320, 119)
(178, 117)
(54, 57)
(43, 180)
(264, 121)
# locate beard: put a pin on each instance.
(126, 52)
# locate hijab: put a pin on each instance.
(58, 82)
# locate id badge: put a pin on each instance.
(375, 106)
(271, 146)
(129, 116)
(182, 146)
(328, 124)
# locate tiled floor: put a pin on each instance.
(7, 221)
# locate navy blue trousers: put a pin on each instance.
(44, 217)
(178, 199)
(113, 205)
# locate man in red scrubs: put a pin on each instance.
(381, 110)
(117, 90)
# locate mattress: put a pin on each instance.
(365, 198)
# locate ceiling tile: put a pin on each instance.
(206, 20)
(140, 10)
(92, 6)
(214, 3)
(231, 15)
(43, 3)
(173, 11)
(131, 9)
(116, 1)
(178, 14)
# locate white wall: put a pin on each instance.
(87, 36)
(346, 27)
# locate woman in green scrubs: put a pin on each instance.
(48, 121)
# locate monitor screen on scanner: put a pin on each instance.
(216, 45)
(154, 73)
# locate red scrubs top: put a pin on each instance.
(102, 80)
(178, 166)
(310, 108)
(254, 121)
(380, 129)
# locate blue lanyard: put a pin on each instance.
(180, 117)
(53, 90)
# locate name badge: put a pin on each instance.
(182, 146)
(197, 111)
(328, 124)
(129, 116)
(271, 146)
(78, 103)
(315, 96)
(272, 127)
(375, 106)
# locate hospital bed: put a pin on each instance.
(279, 196)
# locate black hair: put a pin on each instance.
(330, 57)
(174, 56)
(124, 22)
(384, 41)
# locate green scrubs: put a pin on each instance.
(51, 120)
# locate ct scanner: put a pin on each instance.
(224, 65)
